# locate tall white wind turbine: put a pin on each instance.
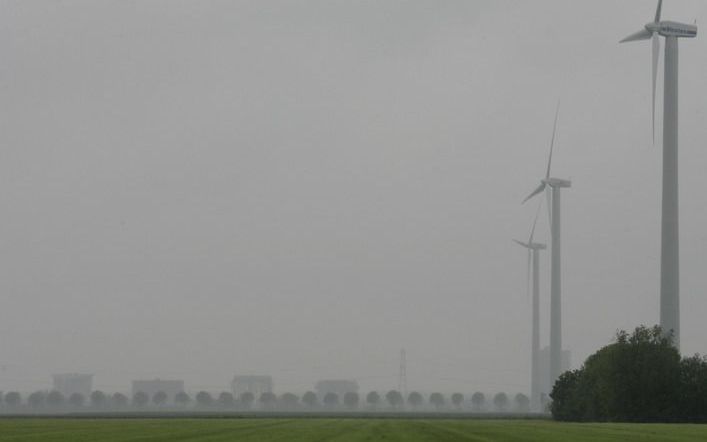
(670, 238)
(534, 249)
(554, 185)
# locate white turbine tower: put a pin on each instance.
(534, 261)
(670, 240)
(554, 185)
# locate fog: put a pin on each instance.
(197, 189)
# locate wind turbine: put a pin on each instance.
(670, 233)
(534, 260)
(554, 186)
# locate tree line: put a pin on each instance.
(641, 377)
(392, 400)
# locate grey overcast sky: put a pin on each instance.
(194, 189)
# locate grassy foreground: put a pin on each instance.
(48, 430)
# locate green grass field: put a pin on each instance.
(48, 430)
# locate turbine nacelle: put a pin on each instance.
(548, 182)
(673, 29)
(665, 29)
(557, 182)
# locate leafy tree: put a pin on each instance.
(159, 398)
(55, 399)
(36, 399)
(98, 399)
(140, 399)
(119, 400)
(458, 400)
(478, 400)
(415, 399)
(437, 400)
(351, 400)
(268, 400)
(394, 398)
(500, 401)
(693, 394)
(637, 378)
(309, 399)
(566, 403)
(13, 399)
(182, 399)
(204, 399)
(289, 401)
(522, 403)
(373, 399)
(246, 400)
(331, 400)
(226, 400)
(77, 400)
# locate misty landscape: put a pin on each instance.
(353, 220)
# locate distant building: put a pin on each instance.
(256, 385)
(544, 363)
(150, 387)
(71, 383)
(337, 386)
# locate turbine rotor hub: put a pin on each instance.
(653, 27)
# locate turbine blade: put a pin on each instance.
(548, 196)
(535, 223)
(527, 282)
(540, 188)
(643, 34)
(659, 11)
(656, 57)
(552, 142)
(521, 243)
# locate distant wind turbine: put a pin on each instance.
(554, 185)
(534, 260)
(670, 232)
